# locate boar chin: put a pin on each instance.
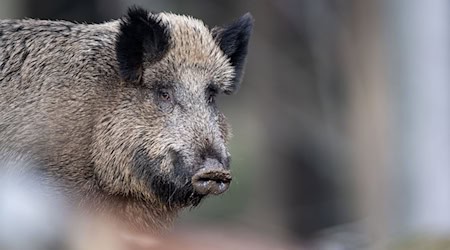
(174, 195)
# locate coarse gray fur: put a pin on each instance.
(107, 141)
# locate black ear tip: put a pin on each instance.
(136, 11)
(248, 17)
(246, 21)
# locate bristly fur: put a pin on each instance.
(233, 40)
(142, 38)
(125, 147)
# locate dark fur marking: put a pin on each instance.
(141, 39)
(174, 195)
(174, 189)
(179, 168)
(144, 166)
(233, 40)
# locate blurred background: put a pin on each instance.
(341, 126)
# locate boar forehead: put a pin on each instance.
(194, 59)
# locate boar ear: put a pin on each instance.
(233, 40)
(142, 38)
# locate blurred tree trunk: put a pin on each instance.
(400, 120)
(368, 122)
(419, 45)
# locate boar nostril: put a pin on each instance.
(211, 181)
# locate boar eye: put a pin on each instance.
(165, 99)
(164, 95)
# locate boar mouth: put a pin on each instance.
(211, 181)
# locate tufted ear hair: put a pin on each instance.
(233, 40)
(142, 38)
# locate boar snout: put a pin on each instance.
(212, 178)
